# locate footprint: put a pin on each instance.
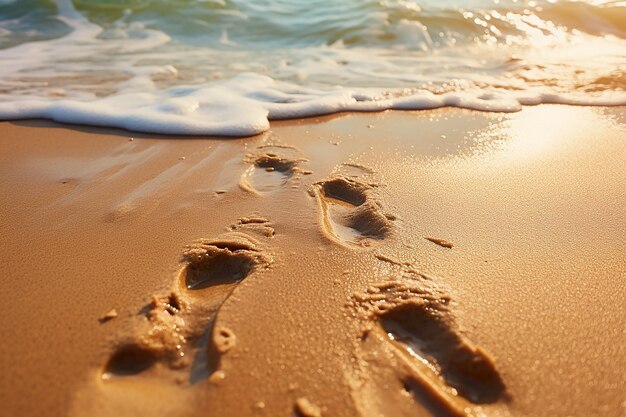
(226, 260)
(349, 213)
(175, 326)
(270, 169)
(430, 337)
(440, 367)
(163, 341)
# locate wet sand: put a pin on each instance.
(442, 262)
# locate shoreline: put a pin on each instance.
(530, 205)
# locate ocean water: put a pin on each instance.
(227, 67)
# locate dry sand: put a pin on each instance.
(441, 262)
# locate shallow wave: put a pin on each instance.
(227, 67)
(365, 23)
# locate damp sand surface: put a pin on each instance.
(447, 262)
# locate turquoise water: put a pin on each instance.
(225, 67)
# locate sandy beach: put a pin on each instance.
(444, 262)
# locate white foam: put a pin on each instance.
(244, 106)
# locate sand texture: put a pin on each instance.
(433, 263)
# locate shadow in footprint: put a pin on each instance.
(223, 262)
(429, 336)
(129, 360)
(349, 215)
(221, 268)
(203, 365)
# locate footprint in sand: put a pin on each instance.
(430, 337)
(411, 317)
(220, 262)
(349, 212)
(213, 268)
(171, 336)
(162, 341)
(270, 168)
